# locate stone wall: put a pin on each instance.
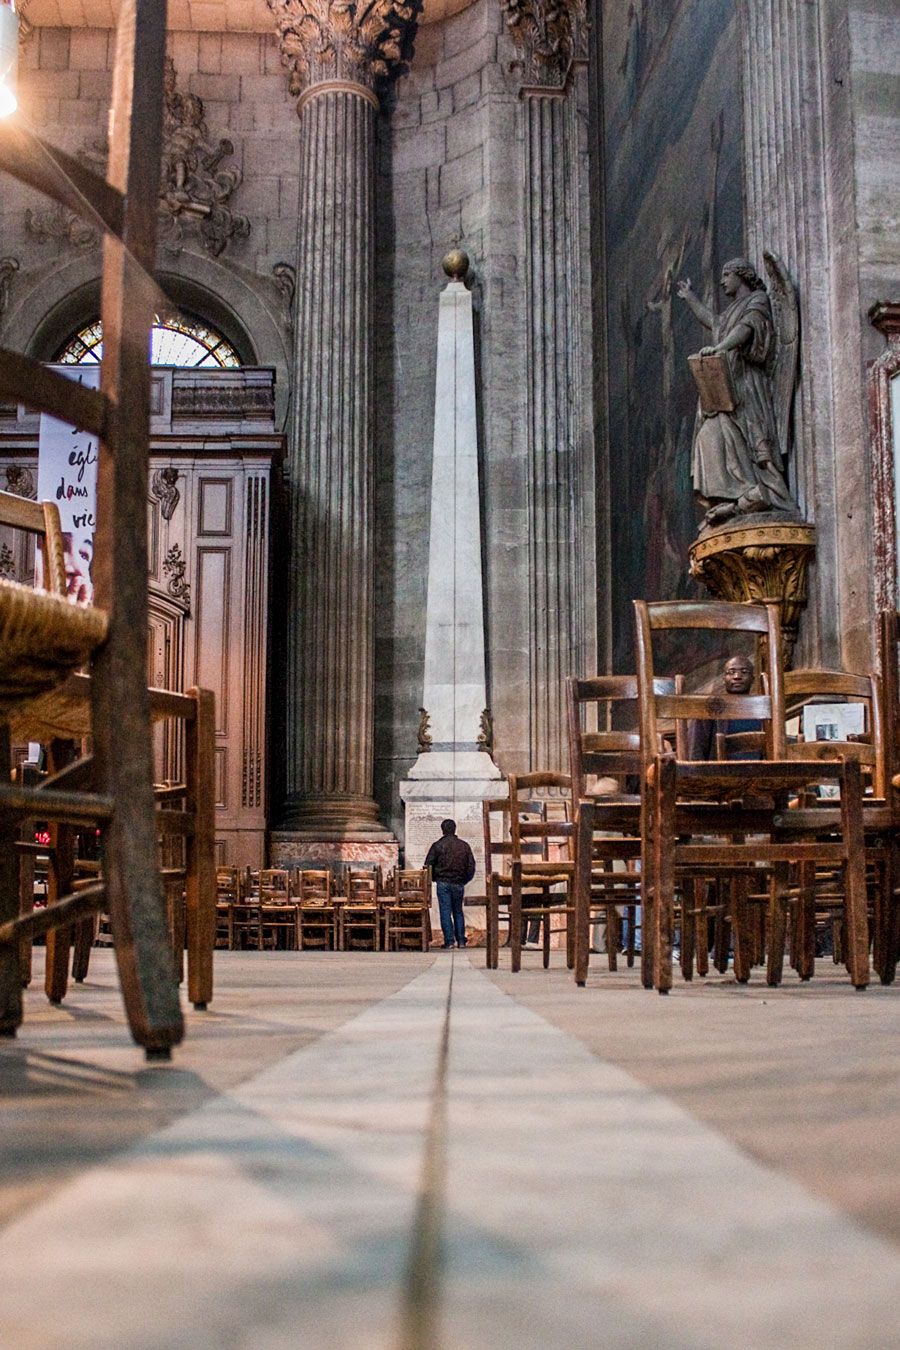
(672, 207)
(65, 83)
(451, 169)
(875, 54)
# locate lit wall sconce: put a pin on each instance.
(9, 59)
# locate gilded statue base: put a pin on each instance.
(753, 563)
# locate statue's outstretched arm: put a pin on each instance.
(736, 338)
(696, 305)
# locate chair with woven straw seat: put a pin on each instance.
(497, 849)
(116, 793)
(278, 911)
(542, 860)
(407, 920)
(318, 921)
(358, 920)
(697, 816)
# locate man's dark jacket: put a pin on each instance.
(451, 859)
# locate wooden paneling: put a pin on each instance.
(222, 777)
(213, 628)
(214, 516)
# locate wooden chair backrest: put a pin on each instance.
(314, 885)
(363, 885)
(42, 519)
(534, 832)
(604, 753)
(802, 687)
(495, 848)
(274, 884)
(228, 883)
(412, 886)
(719, 617)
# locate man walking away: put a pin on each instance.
(452, 865)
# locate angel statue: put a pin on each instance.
(741, 434)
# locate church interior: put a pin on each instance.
(449, 504)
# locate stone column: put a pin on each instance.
(338, 54)
(562, 594)
(799, 186)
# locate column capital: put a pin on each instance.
(355, 45)
(553, 37)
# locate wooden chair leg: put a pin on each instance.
(582, 891)
(85, 933)
(545, 933)
(200, 882)
(688, 930)
(805, 921)
(778, 899)
(855, 908)
(648, 894)
(701, 924)
(515, 918)
(664, 873)
(26, 900)
(742, 938)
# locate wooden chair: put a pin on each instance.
(408, 919)
(608, 816)
(497, 880)
(228, 893)
(542, 859)
(358, 920)
(318, 919)
(184, 822)
(33, 627)
(751, 797)
(279, 916)
(819, 897)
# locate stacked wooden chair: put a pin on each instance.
(359, 923)
(696, 817)
(42, 638)
(407, 920)
(279, 916)
(318, 916)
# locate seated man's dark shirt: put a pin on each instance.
(451, 859)
(701, 736)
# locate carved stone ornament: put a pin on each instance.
(424, 734)
(174, 566)
(165, 491)
(884, 440)
(286, 280)
(553, 37)
(8, 269)
(7, 562)
(20, 482)
(485, 736)
(357, 42)
(58, 222)
(194, 192)
(758, 563)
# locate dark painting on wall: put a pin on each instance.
(674, 209)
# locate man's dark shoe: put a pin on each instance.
(446, 946)
(462, 944)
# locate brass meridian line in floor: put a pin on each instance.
(423, 1284)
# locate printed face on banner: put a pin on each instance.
(67, 475)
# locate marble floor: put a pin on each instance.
(401, 1152)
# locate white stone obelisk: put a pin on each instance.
(454, 775)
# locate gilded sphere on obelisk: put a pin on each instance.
(456, 264)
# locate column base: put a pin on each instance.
(336, 816)
(299, 848)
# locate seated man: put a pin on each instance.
(702, 732)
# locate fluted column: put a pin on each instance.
(553, 41)
(799, 176)
(337, 54)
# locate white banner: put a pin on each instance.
(67, 475)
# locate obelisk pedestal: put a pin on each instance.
(456, 772)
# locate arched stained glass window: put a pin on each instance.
(178, 342)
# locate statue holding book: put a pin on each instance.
(746, 384)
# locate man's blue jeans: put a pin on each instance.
(450, 903)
